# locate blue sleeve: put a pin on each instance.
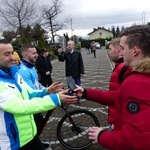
(26, 77)
(30, 76)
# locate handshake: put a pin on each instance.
(72, 95)
(72, 86)
(56, 87)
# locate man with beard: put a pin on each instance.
(30, 76)
(18, 103)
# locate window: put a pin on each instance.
(100, 34)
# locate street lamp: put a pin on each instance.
(64, 40)
(71, 29)
(143, 18)
(63, 37)
(64, 45)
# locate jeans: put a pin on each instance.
(77, 80)
(88, 51)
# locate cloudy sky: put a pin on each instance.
(89, 14)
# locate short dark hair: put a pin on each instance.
(138, 35)
(25, 47)
(4, 41)
(42, 51)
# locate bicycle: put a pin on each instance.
(72, 131)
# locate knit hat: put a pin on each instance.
(16, 56)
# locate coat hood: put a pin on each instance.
(143, 66)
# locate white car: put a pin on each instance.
(98, 46)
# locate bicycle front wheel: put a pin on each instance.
(75, 137)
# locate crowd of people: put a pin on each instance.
(27, 90)
(131, 101)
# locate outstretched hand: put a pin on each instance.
(67, 99)
(55, 87)
(78, 91)
(93, 134)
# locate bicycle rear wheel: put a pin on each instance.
(67, 134)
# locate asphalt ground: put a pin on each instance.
(97, 75)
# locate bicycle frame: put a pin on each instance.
(71, 120)
(48, 115)
(45, 119)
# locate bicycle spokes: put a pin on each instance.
(72, 131)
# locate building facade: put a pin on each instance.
(99, 32)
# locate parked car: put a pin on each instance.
(98, 46)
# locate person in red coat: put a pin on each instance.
(132, 100)
(117, 76)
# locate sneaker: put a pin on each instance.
(45, 145)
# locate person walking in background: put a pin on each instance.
(44, 68)
(17, 60)
(29, 74)
(93, 48)
(74, 62)
(117, 76)
(18, 103)
(88, 47)
(131, 122)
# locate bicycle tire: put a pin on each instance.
(84, 119)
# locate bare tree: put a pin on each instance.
(50, 14)
(17, 13)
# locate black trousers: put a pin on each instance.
(34, 144)
(94, 51)
(38, 118)
(46, 80)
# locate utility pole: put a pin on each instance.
(64, 40)
(143, 18)
(71, 29)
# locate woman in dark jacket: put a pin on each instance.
(44, 68)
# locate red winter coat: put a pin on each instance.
(132, 115)
(116, 79)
